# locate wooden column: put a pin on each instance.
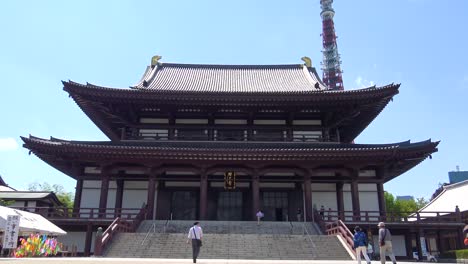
(105, 177)
(203, 196)
(88, 239)
(308, 198)
(119, 197)
(355, 200)
(419, 234)
(381, 198)
(439, 241)
(78, 192)
(255, 194)
(408, 245)
(151, 196)
(340, 200)
(249, 127)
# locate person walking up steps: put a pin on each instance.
(360, 244)
(195, 234)
(385, 243)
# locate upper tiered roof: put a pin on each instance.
(293, 88)
(173, 77)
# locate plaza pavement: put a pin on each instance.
(175, 261)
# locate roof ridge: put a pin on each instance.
(231, 66)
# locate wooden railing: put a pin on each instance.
(227, 137)
(84, 213)
(339, 228)
(118, 225)
(329, 216)
(104, 238)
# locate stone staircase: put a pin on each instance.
(228, 240)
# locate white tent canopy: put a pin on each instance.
(29, 222)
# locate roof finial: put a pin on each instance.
(308, 61)
(155, 59)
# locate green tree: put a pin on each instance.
(6, 203)
(403, 208)
(66, 198)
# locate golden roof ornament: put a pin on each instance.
(155, 59)
(308, 61)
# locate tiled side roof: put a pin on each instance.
(231, 78)
(224, 145)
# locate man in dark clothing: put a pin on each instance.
(360, 244)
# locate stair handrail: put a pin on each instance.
(152, 227)
(314, 247)
(339, 228)
(104, 238)
(165, 225)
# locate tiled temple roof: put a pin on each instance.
(174, 77)
(228, 146)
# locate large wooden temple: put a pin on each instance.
(219, 142)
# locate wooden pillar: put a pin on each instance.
(105, 176)
(88, 239)
(419, 234)
(439, 241)
(250, 134)
(255, 194)
(355, 200)
(203, 196)
(408, 245)
(308, 198)
(340, 200)
(78, 192)
(151, 196)
(171, 132)
(119, 197)
(381, 199)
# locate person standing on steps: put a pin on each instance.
(195, 234)
(299, 214)
(322, 212)
(259, 215)
(360, 244)
(385, 243)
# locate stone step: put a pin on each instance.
(229, 227)
(228, 246)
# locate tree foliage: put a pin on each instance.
(66, 198)
(403, 208)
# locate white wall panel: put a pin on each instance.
(92, 184)
(134, 198)
(323, 187)
(136, 185)
(398, 245)
(73, 238)
(327, 199)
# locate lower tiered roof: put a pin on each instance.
(394, 158)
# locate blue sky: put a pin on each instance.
(418, 43)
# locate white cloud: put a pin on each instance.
(363, 83)
(7, 144)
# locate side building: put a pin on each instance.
(219, 142)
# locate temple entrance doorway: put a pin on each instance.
(229, 206)
(184, 205)
(275, 206)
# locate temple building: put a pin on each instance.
(220, 142)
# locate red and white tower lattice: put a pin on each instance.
(331, 58)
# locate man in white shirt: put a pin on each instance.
(195, 234)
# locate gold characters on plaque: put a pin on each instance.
(230, 180)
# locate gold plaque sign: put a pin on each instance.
(230, 180)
